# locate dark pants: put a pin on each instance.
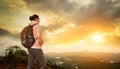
(38, 54)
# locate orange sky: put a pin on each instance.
(66, 25)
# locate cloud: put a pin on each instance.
(67, 20)
(75, 10)
(108, 8)
(4, 32)
(91, 16)
(7, 39)
(87, 17)
(56, 6)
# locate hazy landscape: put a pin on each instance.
(86, 60)
(16, 58)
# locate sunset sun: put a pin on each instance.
(97, 37)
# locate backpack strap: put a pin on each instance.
(33, 24)
(32, 27)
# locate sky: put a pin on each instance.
(66, 25)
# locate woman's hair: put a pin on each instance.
(33, 17)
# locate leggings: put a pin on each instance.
(38, 54)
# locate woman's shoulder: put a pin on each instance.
(36, 26)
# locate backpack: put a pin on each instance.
(27, 36)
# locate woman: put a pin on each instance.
(36, 50)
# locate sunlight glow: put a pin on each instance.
(97, 37)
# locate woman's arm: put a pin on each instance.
(37, 34)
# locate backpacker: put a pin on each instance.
(27, 37)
